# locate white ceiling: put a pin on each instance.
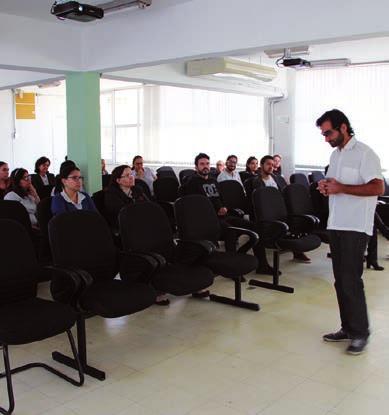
(40, 9)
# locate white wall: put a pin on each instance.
(6, 126)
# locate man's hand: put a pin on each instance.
(333, 187)
(322, 187)
(222, 211)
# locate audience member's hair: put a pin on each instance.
(39, 162)
(277, 155)
(16, 177)
(135, 159)
(64, 173)
(264, 158)
(249, 160)
(337, 118)
(116, 174)
(200, 156)
(231, 156)
(2, 163)
(64, 165)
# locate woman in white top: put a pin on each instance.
(24, 192)
(143, 173)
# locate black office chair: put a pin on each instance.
(197, 221)
(185, 174)
(299, 178)
(244, 175)
(145, 228)
(234, 197)
(166, 171)
(281, 182)
(316, 176)
(81, 242)
(145, 188)
(298, 203)
(166, 189)
(24, 318)
(105, 180)
(280, 231)
(44, 215)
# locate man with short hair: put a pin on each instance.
(230, 173)
(201, 183)
(352, 183)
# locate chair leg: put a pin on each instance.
(8, 372)
(81, 342)
(237, 301)
(276, 278)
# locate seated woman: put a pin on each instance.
(143, 173)
(251, 169)
(120, 192)
(43, 181)
(4, 179)
(71, 198)
(22, 191)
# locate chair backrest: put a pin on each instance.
(19, 266)
(319, 204)
(98, 200)
(213, 172)
(244, 175)
(298, 200)
(145, 227)
(166, 171)
(105, 180)
(233, 195)
(196, 218)
(166, 189)
(269, 204)
(281, 182)
(316, 176)
(44, 215)
(184, 174)
(299, 178)
(11, 209)
(145, 188)
(82, 239)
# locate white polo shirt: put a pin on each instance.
(355, 164)
(226, 175)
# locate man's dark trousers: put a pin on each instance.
(347, 252)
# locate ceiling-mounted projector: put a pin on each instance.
(76, 11)
(289, 61)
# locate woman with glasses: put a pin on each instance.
(71, 198)
(121, 192)
(42, 180)
(22, 191)
(4, 179)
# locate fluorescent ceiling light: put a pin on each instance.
(330, 63)
(231, 68)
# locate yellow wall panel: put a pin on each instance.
(25, 98)
(25, 112)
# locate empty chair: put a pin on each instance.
(81, 243)
(184, 174)
(280, 231)
(298, 203)
(166, 189)
(316, 176)
(146, 228)
(24, 318)
(281, 182)
(145, 188)
(299, 178)
(197, 221)
(166, 171)
(233, 196)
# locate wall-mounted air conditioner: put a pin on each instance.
(230, 68)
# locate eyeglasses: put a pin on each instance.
(26, 177)
(76, 178)
(125, 175)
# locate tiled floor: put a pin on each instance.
(201, 358)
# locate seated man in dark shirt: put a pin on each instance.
(201, 183)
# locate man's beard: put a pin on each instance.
(204, 172)
(338, 141)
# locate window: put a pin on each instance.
(361, 92)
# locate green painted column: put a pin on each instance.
(83, 126)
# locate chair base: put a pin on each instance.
(8, 372)
(88, 370)
(234, 302)
(272, 286)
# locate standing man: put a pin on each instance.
(353, 183)
(230, 173)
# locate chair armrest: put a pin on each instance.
(236, 212)
(253, 238)
(68, 284)
(138, 266)
(302, 223)
(190, 252)
(207, 246)
(271, 231)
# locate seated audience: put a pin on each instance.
(43, 181)
(22, 191)
(121, 192)
(219, 166)
(4, 179)
(71, 198)
(230, 173)
(143, 173)
(277, 170)
(58, 183)
(251, 169)
(201, 183)
(104, 172)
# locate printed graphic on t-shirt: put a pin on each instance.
(210, 190)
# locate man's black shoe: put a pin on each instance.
(357, 346)
(339, 336)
